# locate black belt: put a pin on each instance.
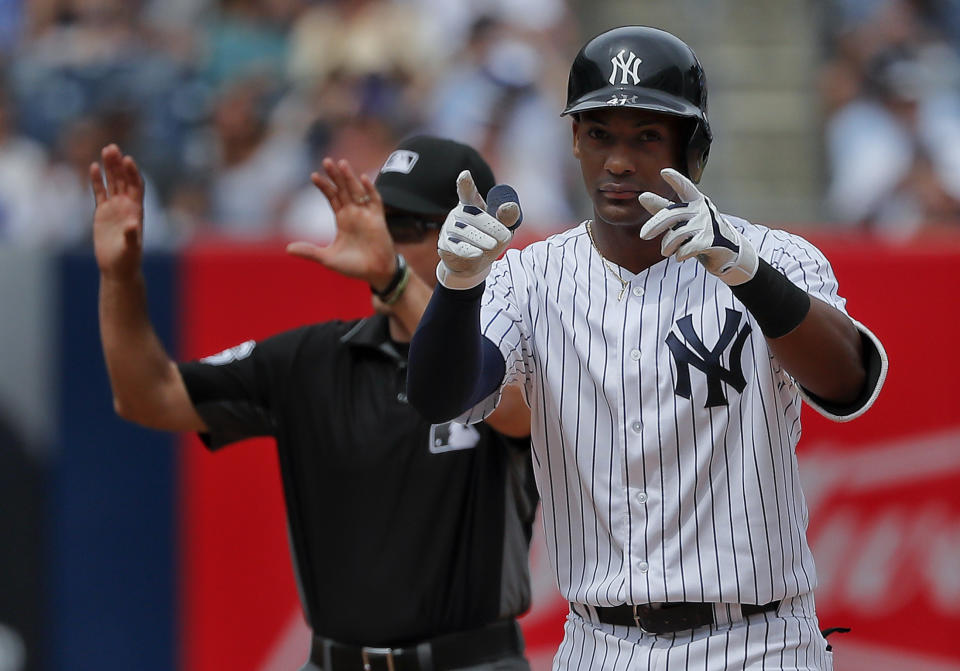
(460, 649)
(667, 618)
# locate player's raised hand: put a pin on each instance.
(695, 228)
(118, 218)
(362, 247)
(472, 238)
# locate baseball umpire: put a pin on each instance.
(664, 349)
(410, 539)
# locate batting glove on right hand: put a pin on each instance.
(694, 228)
(471, 238)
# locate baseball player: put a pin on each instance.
(664, 349)
(409, 538)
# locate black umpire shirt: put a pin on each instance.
(400, 530)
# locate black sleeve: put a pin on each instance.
(452, 366)
(233, 391)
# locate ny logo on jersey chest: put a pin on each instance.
(707, 361)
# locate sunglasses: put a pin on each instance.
(410, 228)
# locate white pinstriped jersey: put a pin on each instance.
(663, 427)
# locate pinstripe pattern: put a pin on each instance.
(648, 494)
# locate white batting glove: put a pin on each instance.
(694, 227)
(471, 239)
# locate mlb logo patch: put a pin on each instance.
(402, 160)
(235, 353)
(453, 436)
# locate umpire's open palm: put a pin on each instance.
(118, 219)
(362, 247)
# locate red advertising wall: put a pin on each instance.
(884, 491)
(238, 593)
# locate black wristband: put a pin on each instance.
(775, 302)
(395, 281)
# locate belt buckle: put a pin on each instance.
(641, 611)
(386, 653)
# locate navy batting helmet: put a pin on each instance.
(646, 68)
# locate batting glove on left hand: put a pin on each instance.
(695, 228)
(471, 238)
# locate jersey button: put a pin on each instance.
(643, 566)
(402, 397)
(641, 497)
(635, 354)
(638, 291)
(636, 426)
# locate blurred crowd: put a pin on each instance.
(228, 105)
(891, 90)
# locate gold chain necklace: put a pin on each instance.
(623, 283)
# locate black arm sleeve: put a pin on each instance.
(452, 366)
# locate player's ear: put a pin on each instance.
(576, 137)
(680, 129)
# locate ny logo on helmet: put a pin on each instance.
(626, 68)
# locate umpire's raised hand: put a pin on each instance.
(362, 247)
(147, 387)
(118, 218)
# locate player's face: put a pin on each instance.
(621, 153)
